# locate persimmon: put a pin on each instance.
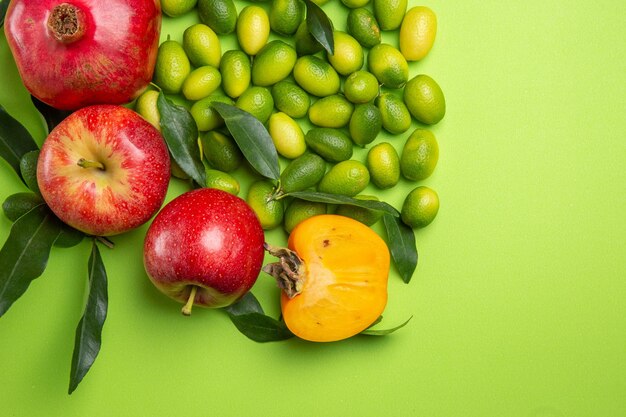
(333, 277)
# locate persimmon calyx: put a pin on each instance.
(289, 271)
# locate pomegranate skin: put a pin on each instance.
(208, 239)
(70, 55)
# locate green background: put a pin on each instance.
(519, 298)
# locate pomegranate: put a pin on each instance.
(204, 247)
(70, 55)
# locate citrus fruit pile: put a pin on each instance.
(328, 110)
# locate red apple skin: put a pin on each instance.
(206, 238)
(126, 193)
(110, 60)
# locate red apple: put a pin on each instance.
(104, 170)
(204, 247)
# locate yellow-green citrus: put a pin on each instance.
(172, 67)
(306, 44)
(331, 144)
(302, 173)
(236, 72)
(331, 111)
(257, 101)
(316, 76)
(390, 13)
(419, 155)
(175, 8)
(347, 178)
(287, 135)
(220, 151)
(205, 116)
(383, 163)
(261, 199)
(347, 55)
(222, 181)
(361, 87)
(365, 124)
(355, 3)
(201, 82)
(362, 25)
(202, 45)
(146, 106)
(420, 207)
(273, 63)
(395, 115)
(253, 29)
(219, 15)
(291, 99)
(417, 33)
(388, 65)
(424, 99)
(286, 16)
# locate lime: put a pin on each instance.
(236, 72)
(261, 199)
(420, 207)
(306, 44)
(424, 99)
(219, 15)
(383, 163)
(257, 101)
(331, 144)
(300, 210)
(364, 215)
(355, 3)
(395, 115)
(388, 65)
(287, 135)
(331, 111)
(175, 8)
(253, 29)
(205, 116)
(417, 33)
(362, 25)
(222, 181)
(419, 155)
(302, 173)
(286, 16)
(273, 63)
(202, 45)
(220, 151)
(201, 82)
(172, 67)
(316, 76)
(291, 99)
(389, 13)
(146, 106)
(365, 124)
(347, 56)
(361, 87)
(347, 178)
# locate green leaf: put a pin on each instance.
(28, 170)
(401, 242)
(342, 199)
(4, 4)
(15, 140)
(68, 237)
(384, 332)
(320, 26)
(51, 116)
(16, 205)
(89, 330)
(181, 135)
(252, 138)
(25, 253)
(248, 316)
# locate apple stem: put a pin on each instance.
(186, 310)
(86, 163)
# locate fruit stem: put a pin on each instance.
(289, 271)
(186, 310)
(86, 163)
(67, 23)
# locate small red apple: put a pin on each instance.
(104, 170)
(204, 247)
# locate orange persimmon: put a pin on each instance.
(334, 278)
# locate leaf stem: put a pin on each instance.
(186, 310)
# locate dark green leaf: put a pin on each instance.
(25, 253)
(320, 26)
(181, 134)
(28, 169)
(4, 4)
(89, 330)
(68, 237)
(342, 199)
(16, 205)
(383, 332)
(252, 138)
(51, 116)
(15, 140)
(401, 241)
(261, 328)
(248, 316)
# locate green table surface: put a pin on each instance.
(519, 298)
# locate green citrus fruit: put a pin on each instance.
(361, 87)
(355, 3)
(257, 101)
(261, 199)
(253, 29)
(365, 124)
(424, 99)
(347, 56)
(316, 76)
(175, 8)
(236, 72)
(396, 118)
(306, 44)
(222, 181)
(172, 67)
(273, 63)
(347, 178)
(417, 33)
(219, 15)
(287, 135)
(419, 155)
(205, 116)
(420, 207)
(331, 144)
(286, 16)
(302, 173)
(362, 25)
(201, 82)
(383, 163)
(331, 111)
(390, 13)
(202, 45)
(388, 65)
(300, 210)
(220, 151)
(146, 106)
(291, 99)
